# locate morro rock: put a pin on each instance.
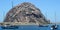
(25, 12)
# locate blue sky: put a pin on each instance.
(47, 7)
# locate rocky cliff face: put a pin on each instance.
(25, 12)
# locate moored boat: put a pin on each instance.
(10, 27)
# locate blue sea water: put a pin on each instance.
(31, 27)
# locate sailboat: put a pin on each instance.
(9, 27)
(55, 26)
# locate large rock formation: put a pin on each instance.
(25, 12)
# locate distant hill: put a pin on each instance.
(25, 12)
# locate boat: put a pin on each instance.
(10, 27)
(43, 25)
(54, 27)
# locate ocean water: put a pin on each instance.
(31, 27)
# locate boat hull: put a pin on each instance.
(9, 27)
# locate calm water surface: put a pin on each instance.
(31, 27)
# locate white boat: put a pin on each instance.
(9, 27)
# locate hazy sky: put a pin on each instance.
(47, 7)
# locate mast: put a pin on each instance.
(12, 3)
(55, 16)
(46, 15)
